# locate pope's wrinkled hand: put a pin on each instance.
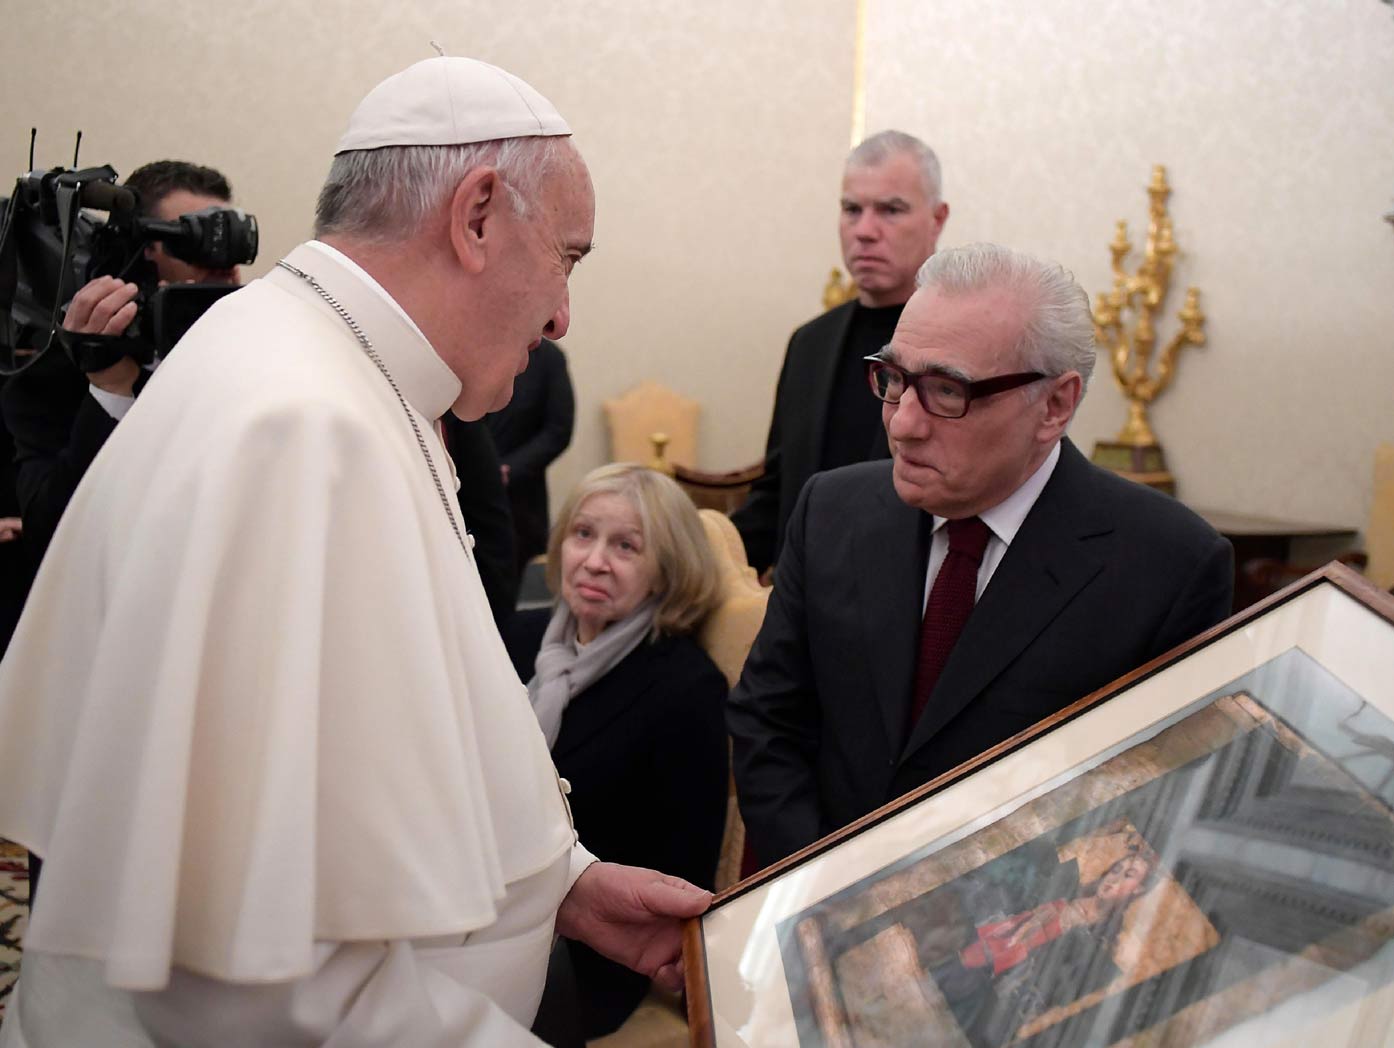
(633, 916)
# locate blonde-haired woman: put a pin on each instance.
(631, 707)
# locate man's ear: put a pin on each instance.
(1061, 399)
(474, 207)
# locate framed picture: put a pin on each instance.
(1200, 853)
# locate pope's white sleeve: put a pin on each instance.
(361, 995)
(581, 861)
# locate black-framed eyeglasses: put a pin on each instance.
(939, 394)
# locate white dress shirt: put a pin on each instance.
(1003, 521)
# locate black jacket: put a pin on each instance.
(794, 448)
(14, 567)
(484, 505)
(645, 751)
(1104, 575)
(57, 429)
(530, 432)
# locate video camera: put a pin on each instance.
(50, 247)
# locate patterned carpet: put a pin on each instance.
(14, 913)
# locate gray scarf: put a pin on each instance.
(562, 672)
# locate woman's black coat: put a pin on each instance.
(645, 751)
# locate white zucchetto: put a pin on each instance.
(447, 101)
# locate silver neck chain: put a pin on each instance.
(372, 355)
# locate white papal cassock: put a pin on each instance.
(257, 718)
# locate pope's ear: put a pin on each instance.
(474, 207)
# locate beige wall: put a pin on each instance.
(715, 133)
(1276, 123)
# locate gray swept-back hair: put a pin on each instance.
(386, 194)
(881, 146)
(1059, 332)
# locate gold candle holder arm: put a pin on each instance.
(1109, 333)
(1119, 248)
(1192, 333)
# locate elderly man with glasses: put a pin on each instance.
(926, 608)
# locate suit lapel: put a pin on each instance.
(821, 389)
(1044, 568)
(890, 556)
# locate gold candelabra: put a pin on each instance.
(1136, 452)
(838, 289)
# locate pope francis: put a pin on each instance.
(256, 717)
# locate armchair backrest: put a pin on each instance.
(726, 636)
(633, 417)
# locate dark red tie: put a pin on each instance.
(950, 603)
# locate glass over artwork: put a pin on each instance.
(1222, 875)
(1195, 879)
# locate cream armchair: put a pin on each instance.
(726, 636)
(649, 408)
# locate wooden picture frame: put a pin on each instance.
(1201, 852)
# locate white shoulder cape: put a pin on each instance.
(256, 698)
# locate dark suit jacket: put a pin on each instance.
(14, 568)
(644, 749)
(794, 449)
(484, 505)
(1104, 575)
(57, 429)
(530, 432)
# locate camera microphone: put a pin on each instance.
(107, 196)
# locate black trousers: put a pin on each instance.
(558, 1020)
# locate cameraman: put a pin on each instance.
(60, 418)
